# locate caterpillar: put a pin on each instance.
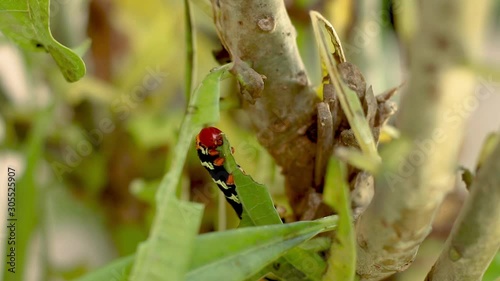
(207, 142)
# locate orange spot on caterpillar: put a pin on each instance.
(230, 180)
(219, 161)
(213, 152)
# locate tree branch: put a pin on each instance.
(475, 237)
(418, 169)
(281, 103)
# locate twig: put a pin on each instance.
(418, 169)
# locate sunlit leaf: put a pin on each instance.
(207, 95)
(258, 206)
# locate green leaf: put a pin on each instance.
(309, 263)
(174, 232)
(117, 270)
(318, 244)
(342, 260)
(207, 95)
(258, 209)
(190, 48)
(256, 200)
(213, 253)
(325, 35)
(203, 109)
(26, 22)
(258, 206)
(176, 223)
(240, 253)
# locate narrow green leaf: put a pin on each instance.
(174, 232)
(203, 109)
(256, 200)
(279, 269)
(487, 148)
(26, 22)
(318, 244)
(240, 253)
(342, 260)
(258, 206)
(176, 222)
(207, 94)
(210, 251)
(190, 49)
(325, 35)
(311, 264)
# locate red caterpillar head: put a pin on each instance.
(210, 137)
